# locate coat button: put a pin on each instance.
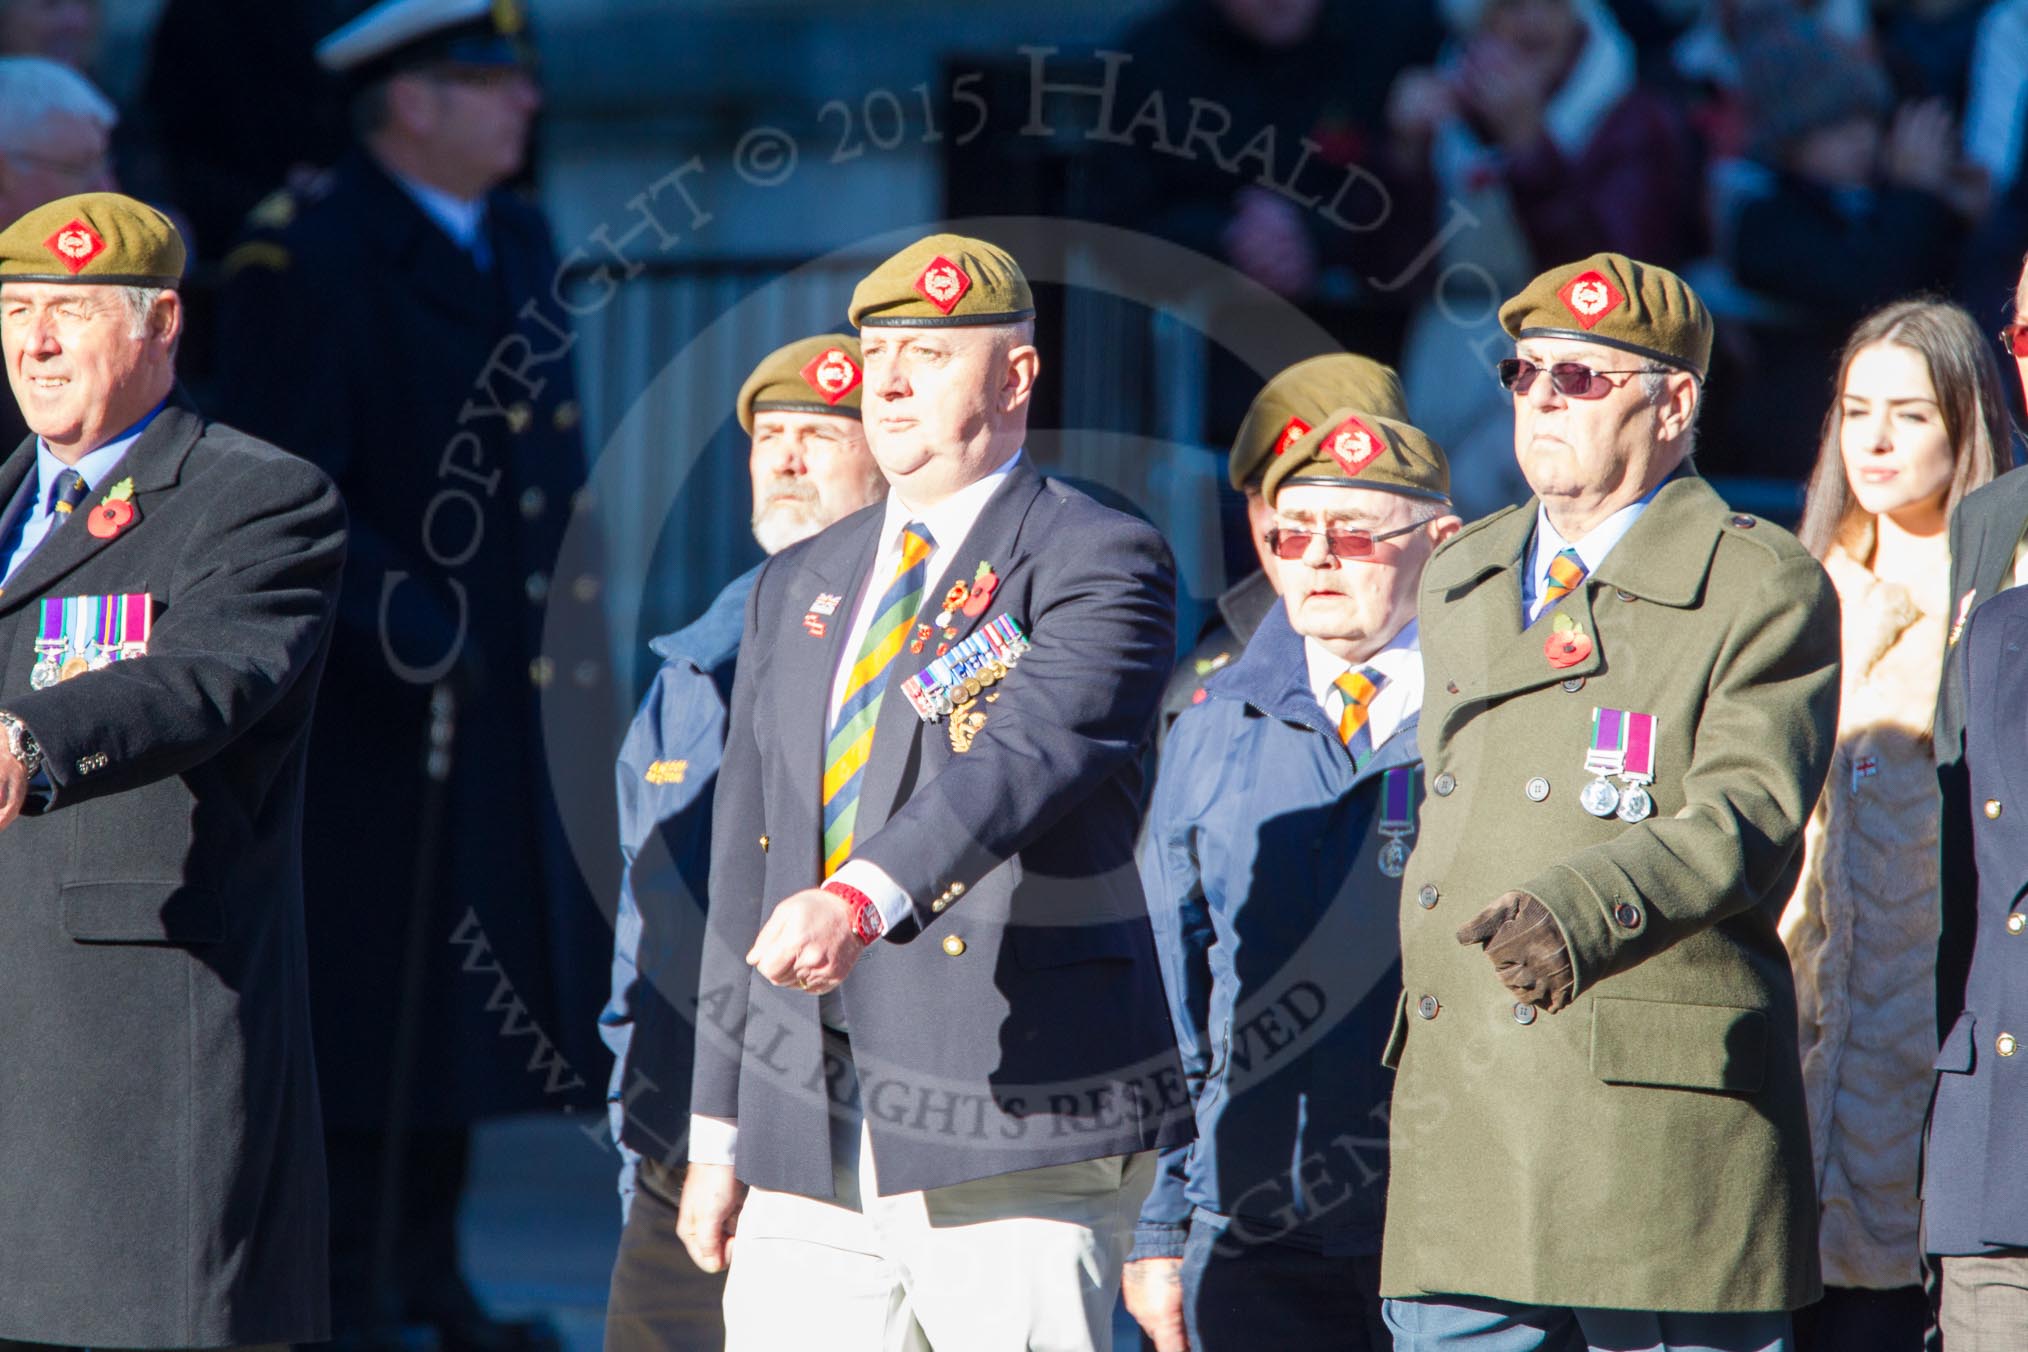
(1628, 914)
(939, 905)
(953, 945)
(2017, 922)
(1524, 1014)
(520, 418)
(1623, 594)
(1992, 809)
(1450, 687)
(1444, 784)
(541, 671)
(2005, 1044)
(1573, 685)
(1537, 789)
(586, 588)
(1426, 896)
(567, 415)
(585, 673)
(1427, 1007)
(957, 889)
(1743, 521)
(537, 587)
(764, 844)
(533, 502)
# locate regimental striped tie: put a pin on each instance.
(67, 490)
(1355, 691)
(852, 731)
(1566, 573)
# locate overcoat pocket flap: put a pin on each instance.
(142, 913)
(1677, 1046)
(1956, 1053)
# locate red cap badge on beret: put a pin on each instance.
(75, 245)
(1353, 445)
(832, 373)
(943, 284)
(1590, 296)
(1292, 432)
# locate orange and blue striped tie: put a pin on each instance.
(1356, 690)
(852, 730)
(1566, 573)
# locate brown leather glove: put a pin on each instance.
(1526, 949)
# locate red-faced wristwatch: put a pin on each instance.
(866, 921)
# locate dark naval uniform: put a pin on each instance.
(440, 397)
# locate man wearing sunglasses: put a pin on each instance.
(1282, 818)
(1599, 1135)
(1975, 1214)
(1288, 406)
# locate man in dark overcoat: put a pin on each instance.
(167, 602)
(402, 331)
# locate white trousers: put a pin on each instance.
(1019, 1261)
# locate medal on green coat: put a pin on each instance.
(1607, 756)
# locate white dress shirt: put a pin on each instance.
(95, 468)
(713, 1140)
(464, 220)
(1400, 696)
(1592, 550)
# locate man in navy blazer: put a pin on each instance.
(1975, 1197)
(931, 1035)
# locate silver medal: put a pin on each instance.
(43, 674)
(1599, 798)
(1636, 805)
(1394, 858)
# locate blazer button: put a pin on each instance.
(537, 587)
(1573, 685)
(764, 844)
(957, 889)
(520, 418)
(953, 945)
(1628, 914)
(1992, 809)
(2005, 1044)
(1537, 789)
(533, 503)
(1444, 784)
(2017, 922)
(1524, 1014)
(1426, 896)
(1427, 1007)
(541, 671)
(939, 904)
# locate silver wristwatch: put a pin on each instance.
(21, 744)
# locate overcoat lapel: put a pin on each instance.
(153, 463)
(17, 488)
(898, 730)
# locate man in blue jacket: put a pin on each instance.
(1281, 823)
(810, 466)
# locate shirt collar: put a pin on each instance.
(1593, 548)
(950, 521)
(95, 466)
(1400, 658)
(457, 217)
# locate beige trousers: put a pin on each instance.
(1024, 1260)
(1985, 1302)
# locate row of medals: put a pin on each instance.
(1602, 798)
(47, 671)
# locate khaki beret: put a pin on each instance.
(1352, 448)
(1299, 398)
(100, 237)
(1614, 301)
(945, 281)
(811, 375)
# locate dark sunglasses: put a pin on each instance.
(2014, 338)
(1573, 380)
(1289, 542)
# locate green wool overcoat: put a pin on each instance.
(1647, 1147)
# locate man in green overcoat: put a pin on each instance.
(1599, 1138)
